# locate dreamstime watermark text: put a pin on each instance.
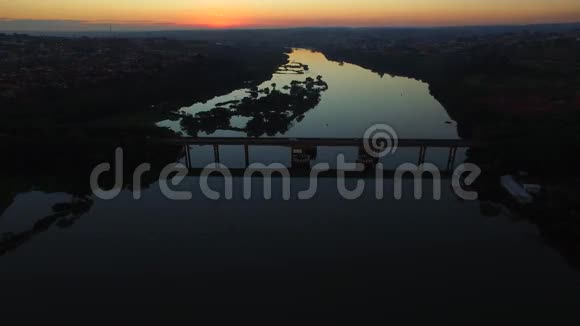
(379, 141)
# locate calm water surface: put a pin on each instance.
(356, 99)
(352, 260)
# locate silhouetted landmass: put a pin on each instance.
(57, 93)
(59, 167)
(64, 215)
(271, 114)
(516, 87)
(47, 83)
(518, 91)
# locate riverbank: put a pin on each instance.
(117, 85)
(521, 95)
(60, 94)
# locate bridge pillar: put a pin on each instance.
(247, 155)
(216, 153)
(187, 157)
(302, 156)
(422, 154)
(451, 158)
(368, 161)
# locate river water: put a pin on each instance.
(391, 259)
(355, 100)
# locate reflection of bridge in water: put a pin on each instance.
(303, 151)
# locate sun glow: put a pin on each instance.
(216, 20)
(291, 13)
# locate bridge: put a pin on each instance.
(303, 151)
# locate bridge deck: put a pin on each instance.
(329, 142)
(421, 144)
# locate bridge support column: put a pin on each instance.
(216, 153)
(301, 157)
(451, 159)
(369, 162)
(422, 154)
(187, 157)
(247, 155)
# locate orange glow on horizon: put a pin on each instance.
(296, 13)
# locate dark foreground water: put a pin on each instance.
(364, 259)
(324, 259)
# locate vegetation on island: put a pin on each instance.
(270, 112)
(514, 88)
(293, 68)
(51, 86)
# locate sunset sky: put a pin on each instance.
(292, 13)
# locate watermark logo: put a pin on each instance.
(379, 141)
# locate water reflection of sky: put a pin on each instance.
(356, 99)
(434, 251)
(409, 253)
